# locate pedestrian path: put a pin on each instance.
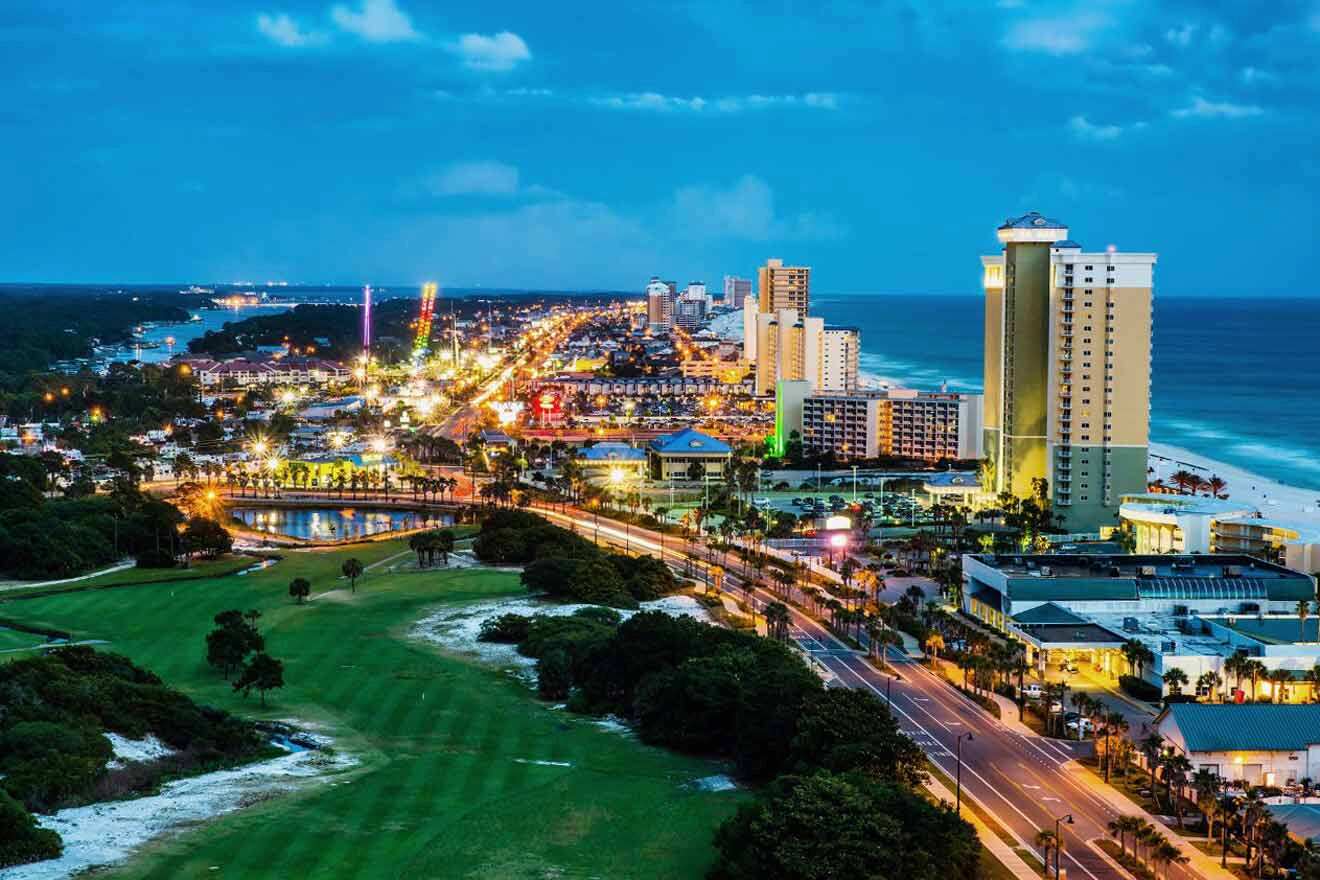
(1006, 855)
(27, 585)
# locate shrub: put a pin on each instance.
(506, 629)
(153, 558)
(554, 674)
(1139, 688)
(21, 839)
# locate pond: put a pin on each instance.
(337, 523)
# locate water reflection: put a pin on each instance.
(327, 524)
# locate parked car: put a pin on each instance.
(1056, 706)
(1079, 725)
(1032, 691)
(761, 502)
(1069, 667)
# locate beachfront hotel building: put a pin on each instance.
(927, 425)
(786, 346)
(783, 287)
(659, 304)
(1164, 523)
(1067, 369)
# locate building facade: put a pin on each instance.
(839, 351)
(1067, 369)
(898, 422)
(783, 287)
(1165, 523)
(659, 304)
(736, 291)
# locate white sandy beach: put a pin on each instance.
(1273, 499)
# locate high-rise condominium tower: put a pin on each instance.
(783, 287)
(1067, 370)
(659, 304)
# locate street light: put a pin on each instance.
(1058, 839)
(958, 741)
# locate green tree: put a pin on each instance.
(352, 569)
(1175, 679)
(300, 589)
(824, 827)
(231, 641)
(263, 672)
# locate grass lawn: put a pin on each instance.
(16, 640)
(443, 790)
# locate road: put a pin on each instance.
(1023, 782)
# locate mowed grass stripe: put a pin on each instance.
(440, 793)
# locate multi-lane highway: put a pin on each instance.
(1023, 782)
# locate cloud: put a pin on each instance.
(1085, 130)
(1254, 76)
(1180, 36)
(281, 29)
(1200, 108)
(1063, 35)
(483, 178)
(498, 52)
(656, 102)
(745, 210)
(376, 21)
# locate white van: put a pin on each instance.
(1032, 691)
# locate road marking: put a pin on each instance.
(1032, 787)
(1049, 799)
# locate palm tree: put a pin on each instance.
(1217, 486)
(776, 621)
(1174, 679)
(1255, 669)
(1123, 826)
(1227, 809)
(1210, 682)
(1147, 837)
(1279, 678)
(1303, 611)
(1174, 768)
(1048, 842)
(1168, 854)
(1151, 747)
(1116, 724)
(1184, 480)
(352, 569)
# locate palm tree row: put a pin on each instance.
(1149, 845)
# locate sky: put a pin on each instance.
(590, 145)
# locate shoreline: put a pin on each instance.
(1272, 498)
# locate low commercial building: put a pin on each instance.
(898, 422)
(242, 372)
(1165, 523)
(1178, 607)
(1260, 744)
(671, 457)
(610, 457)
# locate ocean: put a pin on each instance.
(1237, 380)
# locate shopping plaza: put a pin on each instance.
(1192, 612)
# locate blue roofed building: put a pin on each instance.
(671, 457)
(1257, 744)
(611, 458)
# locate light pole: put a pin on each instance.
(1058, 839)
(854, 469)
(958, 741)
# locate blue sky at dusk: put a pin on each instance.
(562, 145)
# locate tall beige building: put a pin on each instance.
(789, 347)
(783, 287)
(1067, 369)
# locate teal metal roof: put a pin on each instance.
(1049, 613)
(1221, 727)
(1032, 220)
(1071, 589)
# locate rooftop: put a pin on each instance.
(1221, 727)
(1218, 566)
(1032, 220)
(612, 451)
(689, 441)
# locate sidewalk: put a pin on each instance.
(1006, 855)
(1206, 866)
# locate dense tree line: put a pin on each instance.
(43, 537)
(840, 778)
(564, 565)
(54, 711)
(58, 323)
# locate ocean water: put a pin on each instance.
(1237, 380)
